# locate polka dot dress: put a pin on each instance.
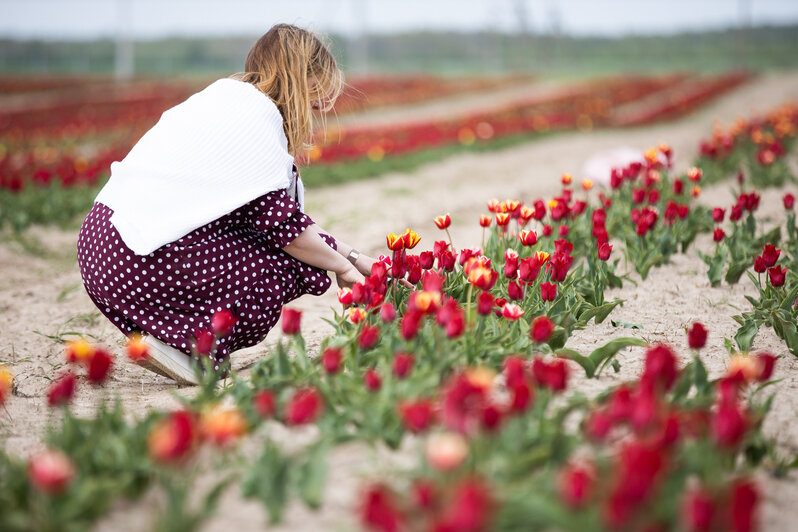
(235, 262)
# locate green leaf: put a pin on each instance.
(313, 475)
(625, 325)
(603, 354)
(745, 335)
(735, 271)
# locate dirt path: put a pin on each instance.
(44, 294)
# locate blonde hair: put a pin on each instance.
(280, 64)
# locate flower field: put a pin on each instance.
(57, 142)
(554, 368)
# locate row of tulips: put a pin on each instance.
(471, 366)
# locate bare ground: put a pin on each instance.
(41, 294)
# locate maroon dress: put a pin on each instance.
(235, 262)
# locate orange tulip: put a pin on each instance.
(136, 348)
(410, 239)
(222, 426)
(587, 184)
(395, 242)
(79, 351)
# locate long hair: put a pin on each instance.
(294, 68)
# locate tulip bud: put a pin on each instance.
(62, 389)
(305, 406)
(345, 296)
(604, 250)
(173, 437)
(443, 222)
(372, 380)
(387, 312)
(697, 336)
(222, 426)
(331, 360)
(205, 340)
(575, 484)
(223, 322)
(368, 337)
(416, 415)
(541, 330)
(264, 403)
(136, 348)
(402, 364)
(99, 366)
(548, 291)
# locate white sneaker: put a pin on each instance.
(168, 361)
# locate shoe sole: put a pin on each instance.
(168, 361)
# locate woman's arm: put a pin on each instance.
(363, 263)
(311, 249)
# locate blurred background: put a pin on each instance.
(168, 37)
(82, 80)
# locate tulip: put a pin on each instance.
(660, 369)
(777, 275)
(455, 325)
(79, 351)
(587, 184)
(759, 265)
(136, 348)
(699, 511)
(290, 320)
(528, 238)
(529, 268)
(483, 278)
(694, 174)
(356, 315)
(305, 406)
(446, 451)
(395, 242)
(548, 291)
(718, 214)
(743, 505)
(223, 322)
(469, 510)
(416, 415)
(410, 324)
(426, 260)
(6, 379)
(173, 437)
(729, 425)
(485, 302)
(718, 234)
(789, 201)
(566, 179)
(372, 380)
(379, 512)
(502, 219)
(205, 340)
(485, 220)
(50, 471)
(62, 389)
(678, 186)
(368, 337)
(222, 426)
(387, 312)
(766, 362)
(770, 255)
(345, 296)
(697, 336)
(402, 364)
(494, 205)
(597, 425)
(512, 312)
(331, 360)
(423, 493)
(541, 330)
(446, 261)
(736, 213)
(515, 291)
(410, 239)
(604, 250)
(575, 484)
(99, 366)
(264, 403)
(547, 230)
(443, 222)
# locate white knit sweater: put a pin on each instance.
(220, 149)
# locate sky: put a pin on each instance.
(147, 19)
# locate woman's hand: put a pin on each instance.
(348, 277)
(364, 264)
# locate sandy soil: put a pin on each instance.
(41, 294)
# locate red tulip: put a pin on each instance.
(223, 322)
(402, 364)
(547, 230)
(205, 340)
(528, 238)
(743, 506)
(345, 296)
(678, 186)
(575, 484)
(173, 437)
(305, 406)
(515, 291)
(789, 201)
(410, 324)
(598, 424)
(485, 221)
(604, 250)
(542, 329)
(777, 275)
(426, 260)
(99, 366)
(553, 374)
(50, 471)
(766, 362)
(423, 493)
(697, 336)
(62, 389)
(331, 360)
(416, 415)
(759, 265)
(264, 403)
(372, 380)
(660, 368)
(520, 396)
(290, 320)
(368, 337)
(718, 234)
(770, 255)
(699, 511)
(387, 312)
(718, 214)
(379, 512)
(729, 425)
(548, 291)
(470, 509)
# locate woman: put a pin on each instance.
(205, 212)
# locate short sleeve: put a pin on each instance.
(278, 217)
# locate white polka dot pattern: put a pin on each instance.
(235, 262)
